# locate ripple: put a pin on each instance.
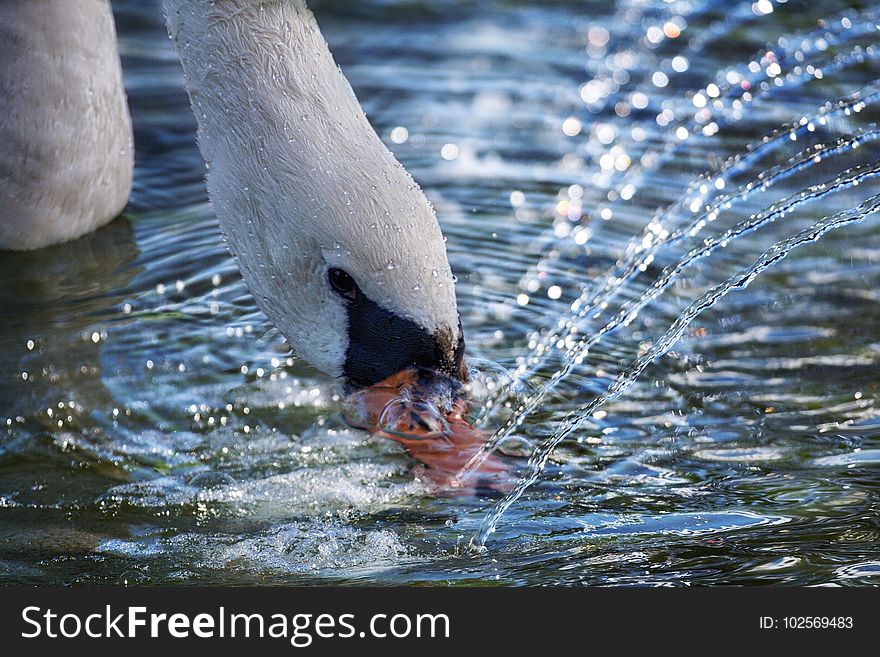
(850, 459)
(678, 524)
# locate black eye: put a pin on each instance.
(342, 283)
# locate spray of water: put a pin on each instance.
(775, 68)
(794, 62)
(705, 201)
(574, 420)
(800, 60)
(630, 309)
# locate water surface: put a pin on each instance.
(156, 429)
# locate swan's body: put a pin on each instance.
(302, 185)
(65, 132)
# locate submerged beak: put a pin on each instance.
(426, 413)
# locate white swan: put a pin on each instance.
(336, 242)
(66, 151)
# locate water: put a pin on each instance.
(663, 221)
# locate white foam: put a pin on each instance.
(320, 547)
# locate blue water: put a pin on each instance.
(156, 429)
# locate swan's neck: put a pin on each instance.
(295, 167)
(262, 69)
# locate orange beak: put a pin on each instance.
(427, 416)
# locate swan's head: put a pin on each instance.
(362, 297)
(335, 240)
(383, 337)
(350, 265)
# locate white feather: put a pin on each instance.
(66, 151)
(299, 179)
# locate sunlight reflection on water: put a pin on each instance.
(158, 430)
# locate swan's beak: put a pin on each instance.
(427, 414)
(381, 343)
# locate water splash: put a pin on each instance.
(788, 64)
(792, 62)
(574, 420)
(641, 249)
(630, 309)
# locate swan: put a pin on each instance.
(66, 154)
(336, 242)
